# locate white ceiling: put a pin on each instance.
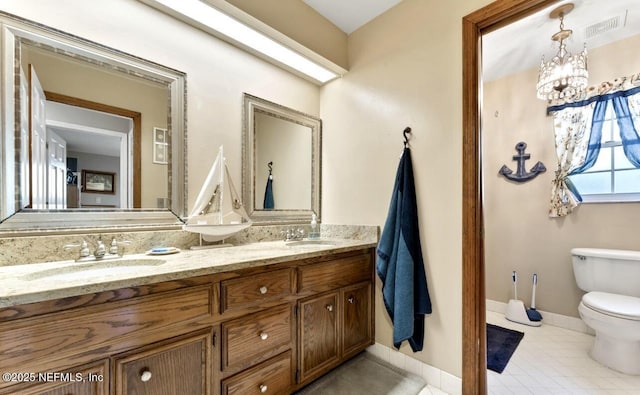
(349, 15)
(518, 46)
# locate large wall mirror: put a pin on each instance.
(87, 133)
(281, 163)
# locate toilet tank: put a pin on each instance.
(612, 271)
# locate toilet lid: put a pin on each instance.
(621, 306)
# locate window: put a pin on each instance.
(613, 178)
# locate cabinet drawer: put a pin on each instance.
(271, 377)
(108, 325)
(247, 291)
(334, 274)
(255, 337)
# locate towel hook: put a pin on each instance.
(270, 164)
(405, 132)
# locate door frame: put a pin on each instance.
(474, 348)
(137, 133)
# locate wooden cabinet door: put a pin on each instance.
(92, 379)
(318, 334)
(181, 366)
(357, 328)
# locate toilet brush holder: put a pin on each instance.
(517, 312)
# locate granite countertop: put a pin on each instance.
(37, 282)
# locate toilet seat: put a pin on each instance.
(620, 306)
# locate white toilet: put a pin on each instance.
(611, 306)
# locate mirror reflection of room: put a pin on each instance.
(291, 167)
(94, 119)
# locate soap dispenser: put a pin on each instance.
(314, 233)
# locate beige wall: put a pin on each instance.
(405, 70)
(519, 234)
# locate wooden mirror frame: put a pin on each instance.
(474, 347)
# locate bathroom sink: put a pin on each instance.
(309, 243)
(94, 269)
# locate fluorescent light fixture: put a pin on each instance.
(211, 17)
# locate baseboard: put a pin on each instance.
(439, 381)
(559, 320)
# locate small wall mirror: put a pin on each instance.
(281, 163)
(98, 110)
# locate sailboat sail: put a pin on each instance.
(213, 216)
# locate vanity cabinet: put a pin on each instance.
(180, 366)
(334, 327)
(268, 329)
(336, 324)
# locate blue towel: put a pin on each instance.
(268, 203)
(399, 262)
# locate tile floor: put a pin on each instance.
(366, 374)
(553, 360)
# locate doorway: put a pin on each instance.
(482, 21)
(131, 199)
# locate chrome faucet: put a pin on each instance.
(117, 247)
(116, 250)
(100, 251)
(84, 250)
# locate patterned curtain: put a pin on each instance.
(578, 131)
(628, 115)
(572, 127)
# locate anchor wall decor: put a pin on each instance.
(521, 173)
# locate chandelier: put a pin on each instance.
(564, 76)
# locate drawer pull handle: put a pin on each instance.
(264, 335)
(145, 375)
(330, 307)
(263, 290)
(263, 388)
(351, 299)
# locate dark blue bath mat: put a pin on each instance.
(501, 343)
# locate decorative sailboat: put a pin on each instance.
(213, 216)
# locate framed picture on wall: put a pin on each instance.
(95, 181)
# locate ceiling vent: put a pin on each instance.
(605, 26)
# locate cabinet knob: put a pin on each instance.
(351, 299)
(330, 307)
(145, 375)
(263, 290)
(264, 335)
(263, 388)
